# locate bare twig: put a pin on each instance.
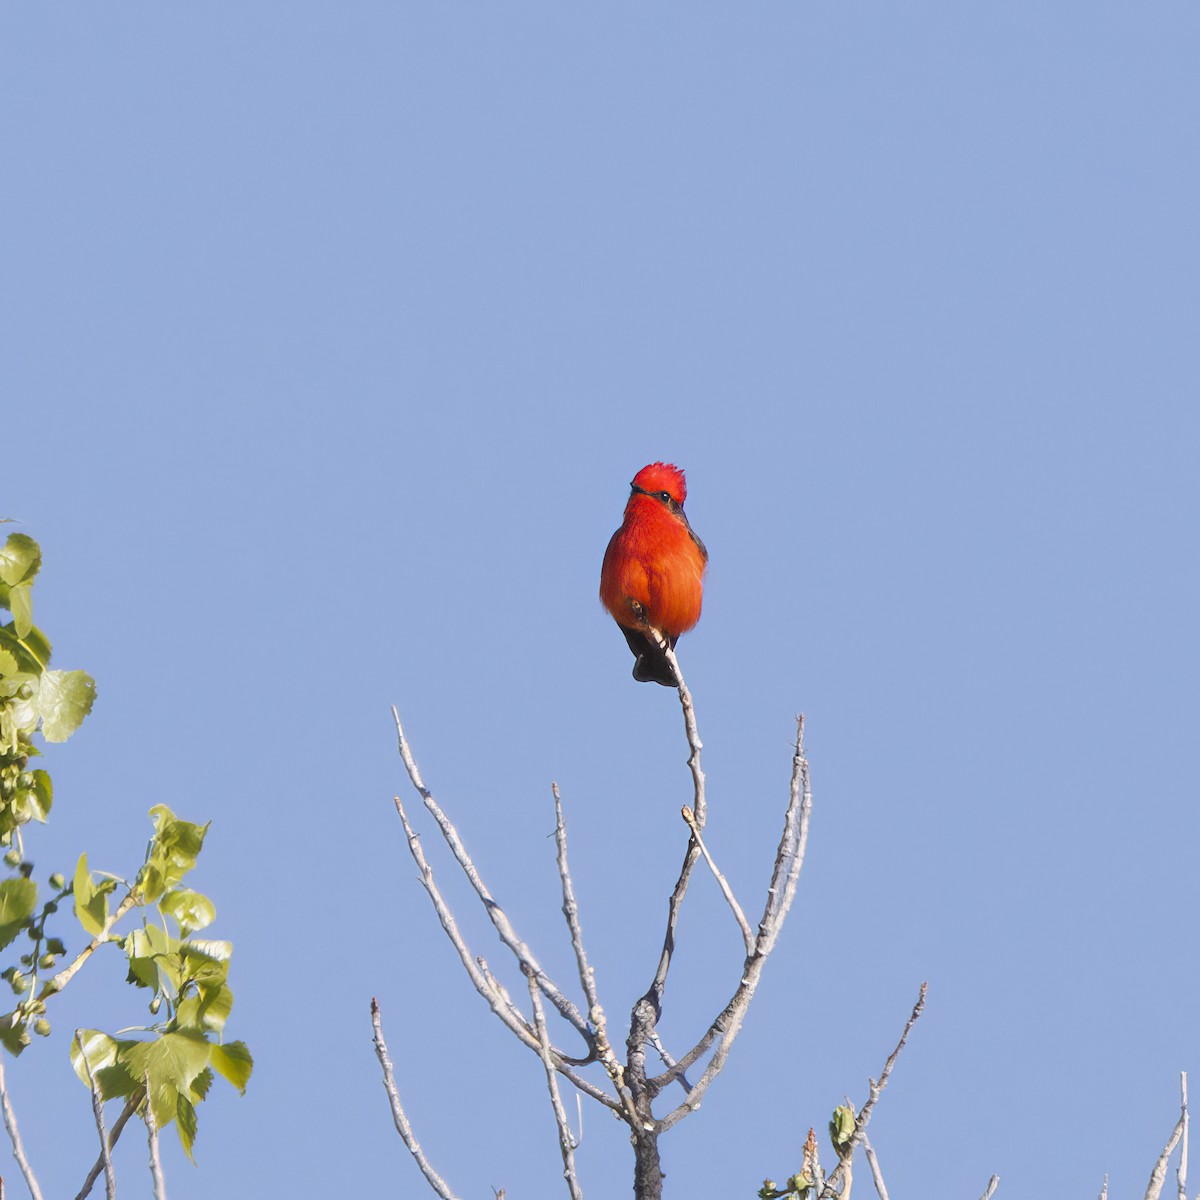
(994, 1183)
(700, 810)
(1159, 1174)
(789, 859)
(131, 1106)
(156, 1171)
(403, 1127)
(876, 1175)
(110, 1175)
(875, 1088)
(587, 975)
(1181, 1173)
(497, 915)
(14, 1134)
(726, 891)
(668, 1061)
(1103, 1188)
(566, 1142)
(497, 999)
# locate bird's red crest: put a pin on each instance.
(662, 477)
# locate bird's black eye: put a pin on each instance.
(665, 497)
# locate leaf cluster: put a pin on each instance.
(33, 697)
(170, 1067)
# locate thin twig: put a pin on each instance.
(587, 974)
(566, 1143)
(994, 1183)
(1181, 1173)
(700, 809)
(1103, 1188)
(14, 1134)
(789, 859)
(668, 1061)
(873, 1163)
(726, 891)
(403, 1128)
(497, 915)
(131, 1106)
(875, 1088)
(156, 1171)
(1159, 1174)
(497, 1000)
(110, 1175)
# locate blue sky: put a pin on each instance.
(333, 336)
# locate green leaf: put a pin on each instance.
(91, 903)
(172, 853)
(206, 1010)
(104, 1060)
(18, 899)
(185, 1122)
(20, 603)
(8, 662)
(233, 1061)
(32, 650)
(42, 794)
(191, 909)
(64, 699)
(171, 1062)
(20, 558)
(153, 955)
(14, 1036)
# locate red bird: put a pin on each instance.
(653, 573)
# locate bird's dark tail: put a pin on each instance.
(651, 665)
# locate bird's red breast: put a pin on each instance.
(653, 568)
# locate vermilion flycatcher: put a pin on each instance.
(653, 573)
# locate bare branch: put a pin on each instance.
(994, 1183)
(496, 998)
(726, 891)
(789, 859)
(1159, 1174)
(1181, 1172)
(156, 1171)
(876, 1175)
(700, 809)
(496, 914)
(110, 1175)
(131, 1106)
(1103, 1189)
(403, 1128)
(587, 975)
(876, 1088)
(14, 1134)
(566, 1143)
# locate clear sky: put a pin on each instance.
(333, 334)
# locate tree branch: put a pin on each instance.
(566, 1143)
(1159, 1174)
(497, 1000)
(110, 1175)
(156, 1171)
(496, 914)
(726, 891)
(131, 1106)
(789, 859)
(14, 1134)
(60, 981)
(403, 1128)
(860, 1122)
(994, 1183)
(872, 1162)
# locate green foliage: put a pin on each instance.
(32, 696)
(171, 1063)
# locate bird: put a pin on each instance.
(653, 572)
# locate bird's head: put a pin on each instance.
(661, 480)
